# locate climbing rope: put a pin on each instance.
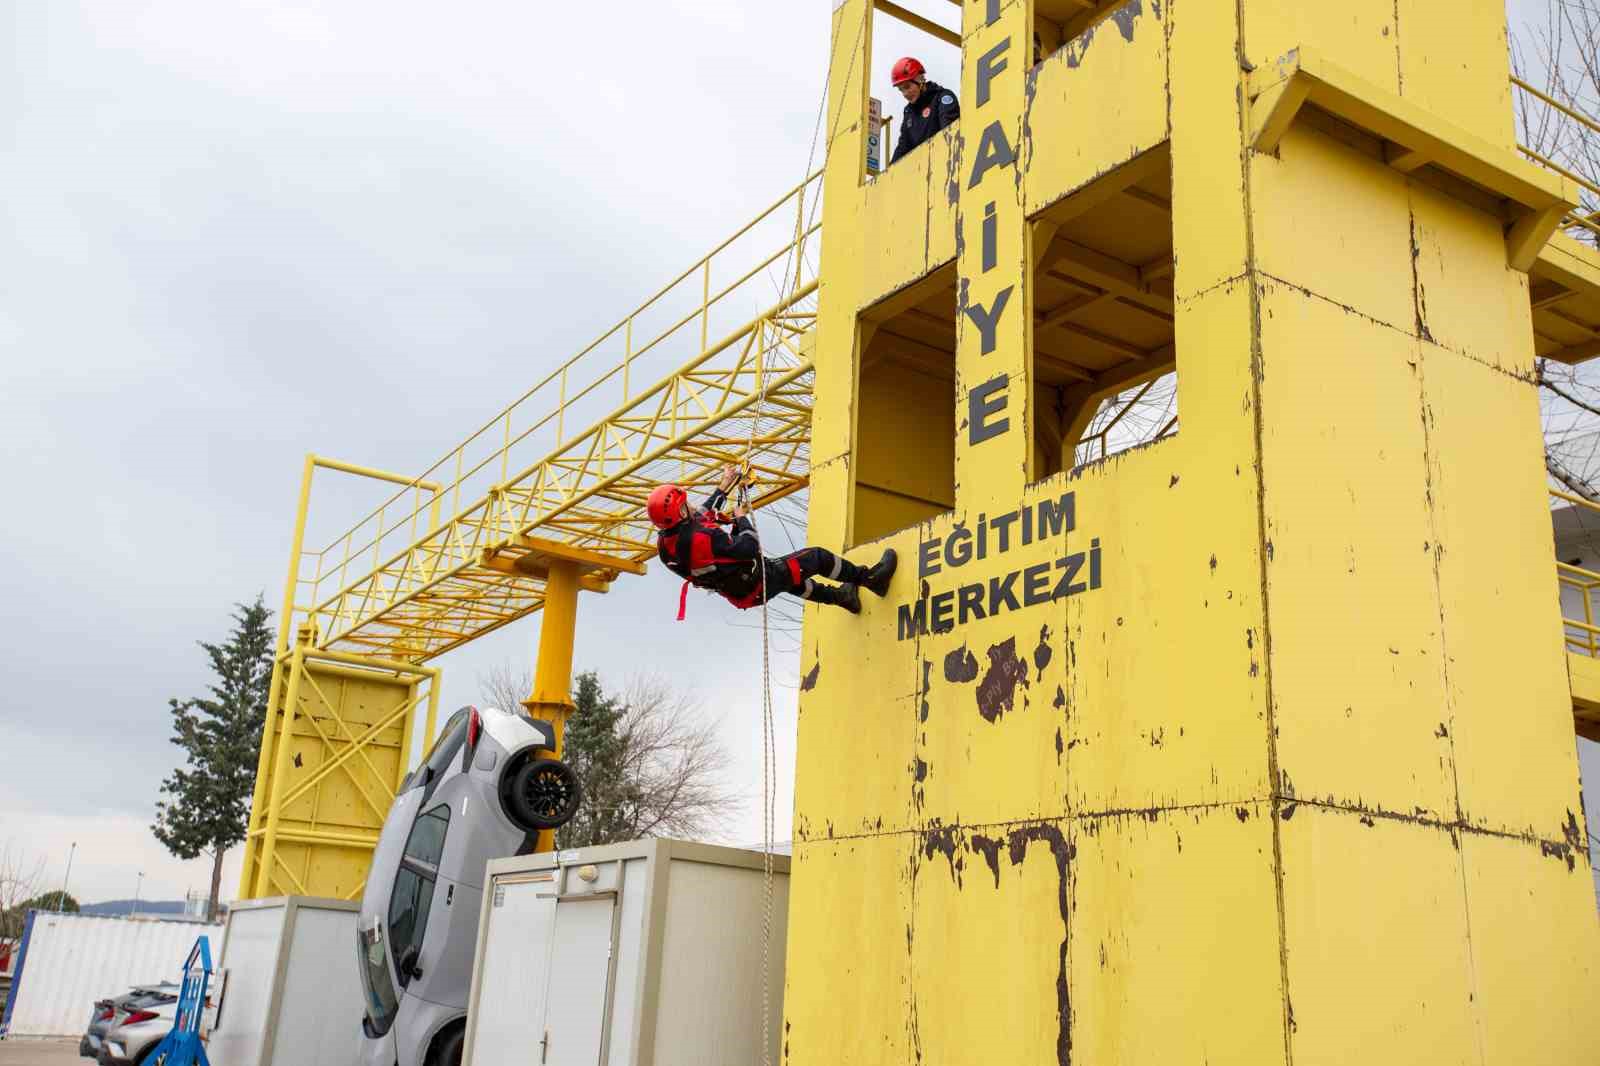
(769, 744)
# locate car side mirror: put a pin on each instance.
(408, 964)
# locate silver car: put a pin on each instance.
(487, 786)
(110, 1013)
(130, 1043)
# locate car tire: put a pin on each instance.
(447, 1049)
(541, 793)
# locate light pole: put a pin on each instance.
(61, 900)
(138, 887)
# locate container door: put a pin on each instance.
(580, 967)
(514, 973)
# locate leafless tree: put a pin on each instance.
(650, 759)
(505, 686)
(21, 879)
(1557, 55)
(673, 762)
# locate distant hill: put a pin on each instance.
(116, 908)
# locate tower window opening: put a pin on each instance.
(1104, 359)
(904, 466)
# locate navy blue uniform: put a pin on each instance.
(935, 109)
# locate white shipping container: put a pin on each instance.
(292, 994)
(641, 954)
(68, 961)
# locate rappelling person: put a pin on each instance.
(695, 546)
(930, 107)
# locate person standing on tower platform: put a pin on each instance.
(930, 107)
(694, 546)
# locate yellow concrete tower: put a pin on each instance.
(1253, 744)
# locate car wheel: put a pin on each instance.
(447, 1051)
(542, 794)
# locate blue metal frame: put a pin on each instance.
(182, 1046)
(16, 974)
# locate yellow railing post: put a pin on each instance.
(705, 304)
(252, 848)
(627, 355)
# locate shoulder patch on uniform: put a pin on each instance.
(948, 99)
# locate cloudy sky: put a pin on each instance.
(236, 232)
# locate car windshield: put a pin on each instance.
(382, 1003)
(445, 748)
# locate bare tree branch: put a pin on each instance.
(658, 770)
(21, 879)
(504, 687)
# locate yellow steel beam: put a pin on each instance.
(916, 21)
(374, 473)
(1539, 199)
(585, 559)
(1583, 672)
(593, 581)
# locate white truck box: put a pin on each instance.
(641, 954)
(291, 994)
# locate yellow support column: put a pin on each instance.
(265, 871)
(253, 870)
(551, 699)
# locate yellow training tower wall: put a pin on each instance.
(1253, 744)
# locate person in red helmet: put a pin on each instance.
(694, 545)
(929, 106)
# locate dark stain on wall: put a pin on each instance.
(997, 692)
(960, 666)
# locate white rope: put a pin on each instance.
(769, 744)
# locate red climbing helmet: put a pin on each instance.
(907, 69)
(666, 505)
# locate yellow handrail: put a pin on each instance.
(1581, 217)
(1582, 581)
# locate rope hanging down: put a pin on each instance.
(769, 751)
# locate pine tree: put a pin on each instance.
(594, 750)
(206, 804)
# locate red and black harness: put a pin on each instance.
(694, 559)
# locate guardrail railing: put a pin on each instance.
(1578, 586)
(1583, 218)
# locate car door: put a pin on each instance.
(420, 906)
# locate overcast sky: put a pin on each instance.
(236, 232)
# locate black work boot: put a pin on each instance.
(879, 574)
(844, 595)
